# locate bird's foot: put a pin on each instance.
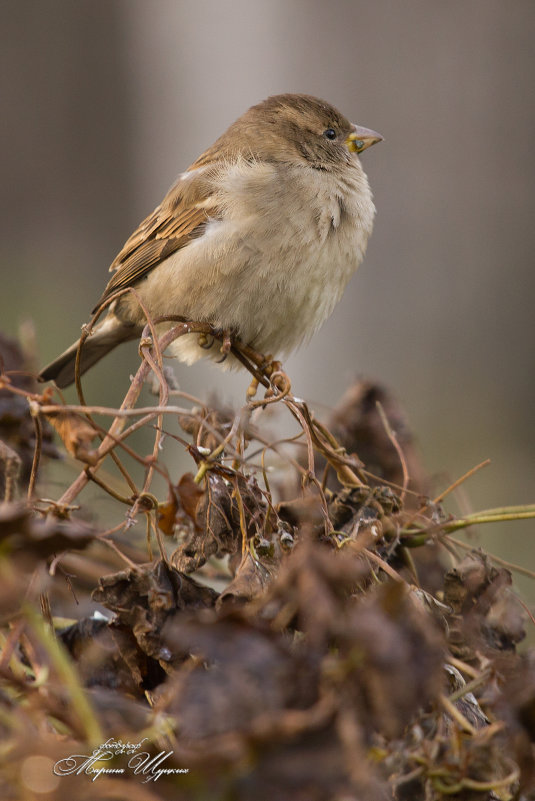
(252, 389)
(272, 370)
(225, 335)
(205, 342)
(265, 369)
(271, 366)
(226, 343)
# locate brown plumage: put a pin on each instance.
(259, 236)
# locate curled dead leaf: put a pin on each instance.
(76, 434)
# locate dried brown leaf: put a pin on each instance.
(34, 538)
(189, 494)
(357, 425)
(219, 527)
(143, 600)
(76, 433)
(486, 614)
(252, 672)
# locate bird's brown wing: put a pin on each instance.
(181, 217)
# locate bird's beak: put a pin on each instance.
(361, 138)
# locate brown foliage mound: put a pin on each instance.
(334, 643)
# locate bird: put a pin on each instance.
(258, 238)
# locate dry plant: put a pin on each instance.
(336, 641)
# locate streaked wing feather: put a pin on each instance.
(182, 224)
(143, 232)
(165, 231)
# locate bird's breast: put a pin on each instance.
(277, 259)
(308, 234)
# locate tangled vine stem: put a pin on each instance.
(416, 527)
(264, 371)
(114, 432)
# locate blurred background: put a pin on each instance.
(104, 102)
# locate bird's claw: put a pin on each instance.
(204, 342)
(252, 389)
(226, 343)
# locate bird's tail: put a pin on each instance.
(106, 336)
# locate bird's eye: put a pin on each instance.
(330, 133)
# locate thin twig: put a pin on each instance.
(455, 713)
(392, 436)
(111, 412)
(131, 397)
(499, 561)
(86, 332)
(38, 428)
(459, 481)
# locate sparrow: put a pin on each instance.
(258, 238)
